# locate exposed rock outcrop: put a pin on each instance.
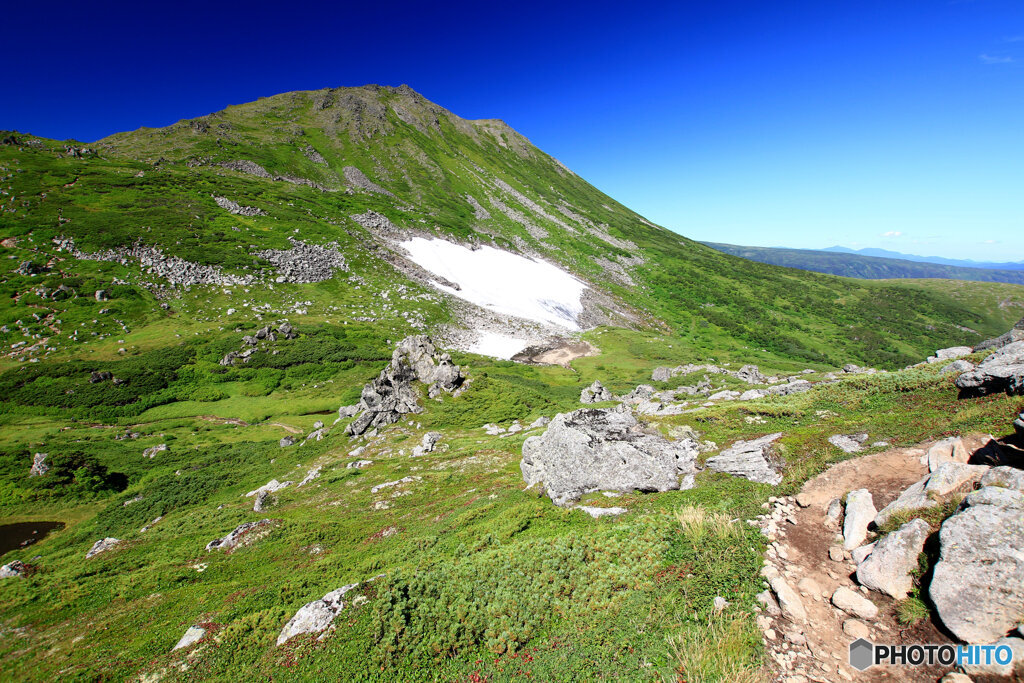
(430, 440)
(236, 536)
(591, 450)
(12, 569)
(849, 443)
(596, 393)
(152, 451)
(1003, 370)
(39, 466)
(749, 459)
(102, 546)
(237, 209)
(392, 394)
(316, 616)
(193, 634)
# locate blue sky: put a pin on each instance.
(805, 124)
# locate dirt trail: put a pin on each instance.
(802, 553)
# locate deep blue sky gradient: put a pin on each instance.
(799, 124)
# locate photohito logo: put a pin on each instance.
(865, 654)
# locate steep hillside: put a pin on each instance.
(866, 267)
(233, 191)
(258, 417)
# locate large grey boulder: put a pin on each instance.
(316, 616)
(996, 495)
(427, 445)
(102, 546)
(661, 374)
(952, 353)
(950, 476)
(386, 399)
(888, 568)
(591, 450)
(958, 366)
(1001, 371)
(751, 374)
(749, 459)
(978, 583)
(860, 511)
(1007, 477)
(596, 393)
(1014, 335)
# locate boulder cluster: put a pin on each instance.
(386, 399)
(252, 342)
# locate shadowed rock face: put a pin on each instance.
(392, 395)
(591, 450)
(1001, 371)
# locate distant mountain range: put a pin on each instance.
(849, 263)
(965, 263)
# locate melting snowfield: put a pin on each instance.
(502, 282)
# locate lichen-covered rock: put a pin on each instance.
(102, 546)
(749, 459)
(860, 511)
(591, 450)
(1007, 477)
(888, 568)
(996, 495)
(952, 353)
(950, 476)
(286, 441)
(596, 393)
(386, 399)
(978, 583)
(316, 616)
(1001, 371)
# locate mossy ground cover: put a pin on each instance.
(480, 577)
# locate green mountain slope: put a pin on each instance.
(312, 160)
(866, 267)
(139, 273)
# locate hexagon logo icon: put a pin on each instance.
(862, 654)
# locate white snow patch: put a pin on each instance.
(498, 345)
(501, 281)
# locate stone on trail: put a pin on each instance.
(789, 600)
(591, 450)
(749, 459)
(912, 499)
(993, 668)
(997, 496)
(1007, 477)
(889, 566)
(854, 604)
(862, 553)
(860, 511)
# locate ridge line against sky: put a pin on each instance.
(797, 123)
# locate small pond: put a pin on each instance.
(22, 534)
